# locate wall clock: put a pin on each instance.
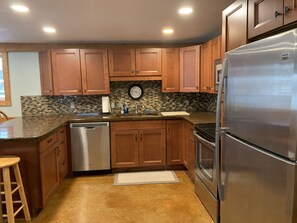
(135, 91)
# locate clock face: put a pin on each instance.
(135, 92)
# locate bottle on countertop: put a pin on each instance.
(125, 108)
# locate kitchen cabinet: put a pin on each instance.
(66, 72)
(290, 11)
(49, 172)
(46, 77)
(74, 72)
(174, 140)
(170, 70)
(190, 69)
(234, 26)
(134, 64)
(63, 152)
(268, 15)
(138, 144)
(189, 149)
(94, 71)
(210, 51)
(264, 16)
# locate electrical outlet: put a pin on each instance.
(72, 105)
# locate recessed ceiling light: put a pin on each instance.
(168, 31)
(49, 29)
(185, 10)
(19, 8)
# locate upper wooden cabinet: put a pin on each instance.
(189, 69)
(264, 16)
(46, 77)
(94, 71)
(135, 64)
(234, 26)
(290, 11)
(267, 15)
(170, 70)
(74, 72)
(66, 72)
(210, 52)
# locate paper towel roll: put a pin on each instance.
(105, 104)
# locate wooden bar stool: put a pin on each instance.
(5, 163)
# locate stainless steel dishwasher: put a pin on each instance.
(90, 146)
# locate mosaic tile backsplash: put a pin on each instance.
(153, 99)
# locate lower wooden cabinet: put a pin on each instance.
(174, 139)
(63, 152)
(49, 172)
(53, 157)
(189, 149)
(138, 144)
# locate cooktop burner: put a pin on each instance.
(207, 131)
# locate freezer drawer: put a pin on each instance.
(90, 146)
(258, 187)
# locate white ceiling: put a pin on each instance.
(109, 21)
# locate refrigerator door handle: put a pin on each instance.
(219, 130)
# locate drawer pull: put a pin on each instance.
(49, 140)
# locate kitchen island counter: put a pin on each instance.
(37, 127)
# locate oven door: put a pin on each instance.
(205, 163)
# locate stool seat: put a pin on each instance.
(6, 161)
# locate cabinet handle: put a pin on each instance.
(50, 90)
(276, 14)
(85, 90)
(168, 129)
(62, 142)
(49, 140)
(197, 87)
(140, 137)
(136, 138)
(132, 71)
(137, 71)
(286, 9)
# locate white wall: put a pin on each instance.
(24, 79)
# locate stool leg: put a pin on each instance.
(18, 178)
(8, 195)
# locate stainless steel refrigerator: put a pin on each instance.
(257, 141)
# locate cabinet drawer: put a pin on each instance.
(47, 142)
(138, 125)
(62, 134)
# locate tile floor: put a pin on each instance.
(94, 199)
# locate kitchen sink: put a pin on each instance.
(137, 114)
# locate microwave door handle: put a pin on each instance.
(219, 130)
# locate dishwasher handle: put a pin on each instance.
(89, 125)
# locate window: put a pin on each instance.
(4, 80)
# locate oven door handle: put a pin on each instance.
(220, 130)
(204, 140)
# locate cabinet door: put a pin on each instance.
(148, 62)
(124, 148)
(290, 11)
(170, 70)
(46, 77)
(49, 171)
(66, 72)
(189, 69)
(205, 67)
(63, 152)
(94, 71)
(264, 16)
(121, 62)
(234, 26)
(152, 147)
(174, 139)
(188, 144)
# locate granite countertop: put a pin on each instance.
(36, 127)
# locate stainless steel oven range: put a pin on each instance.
(205, 169)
